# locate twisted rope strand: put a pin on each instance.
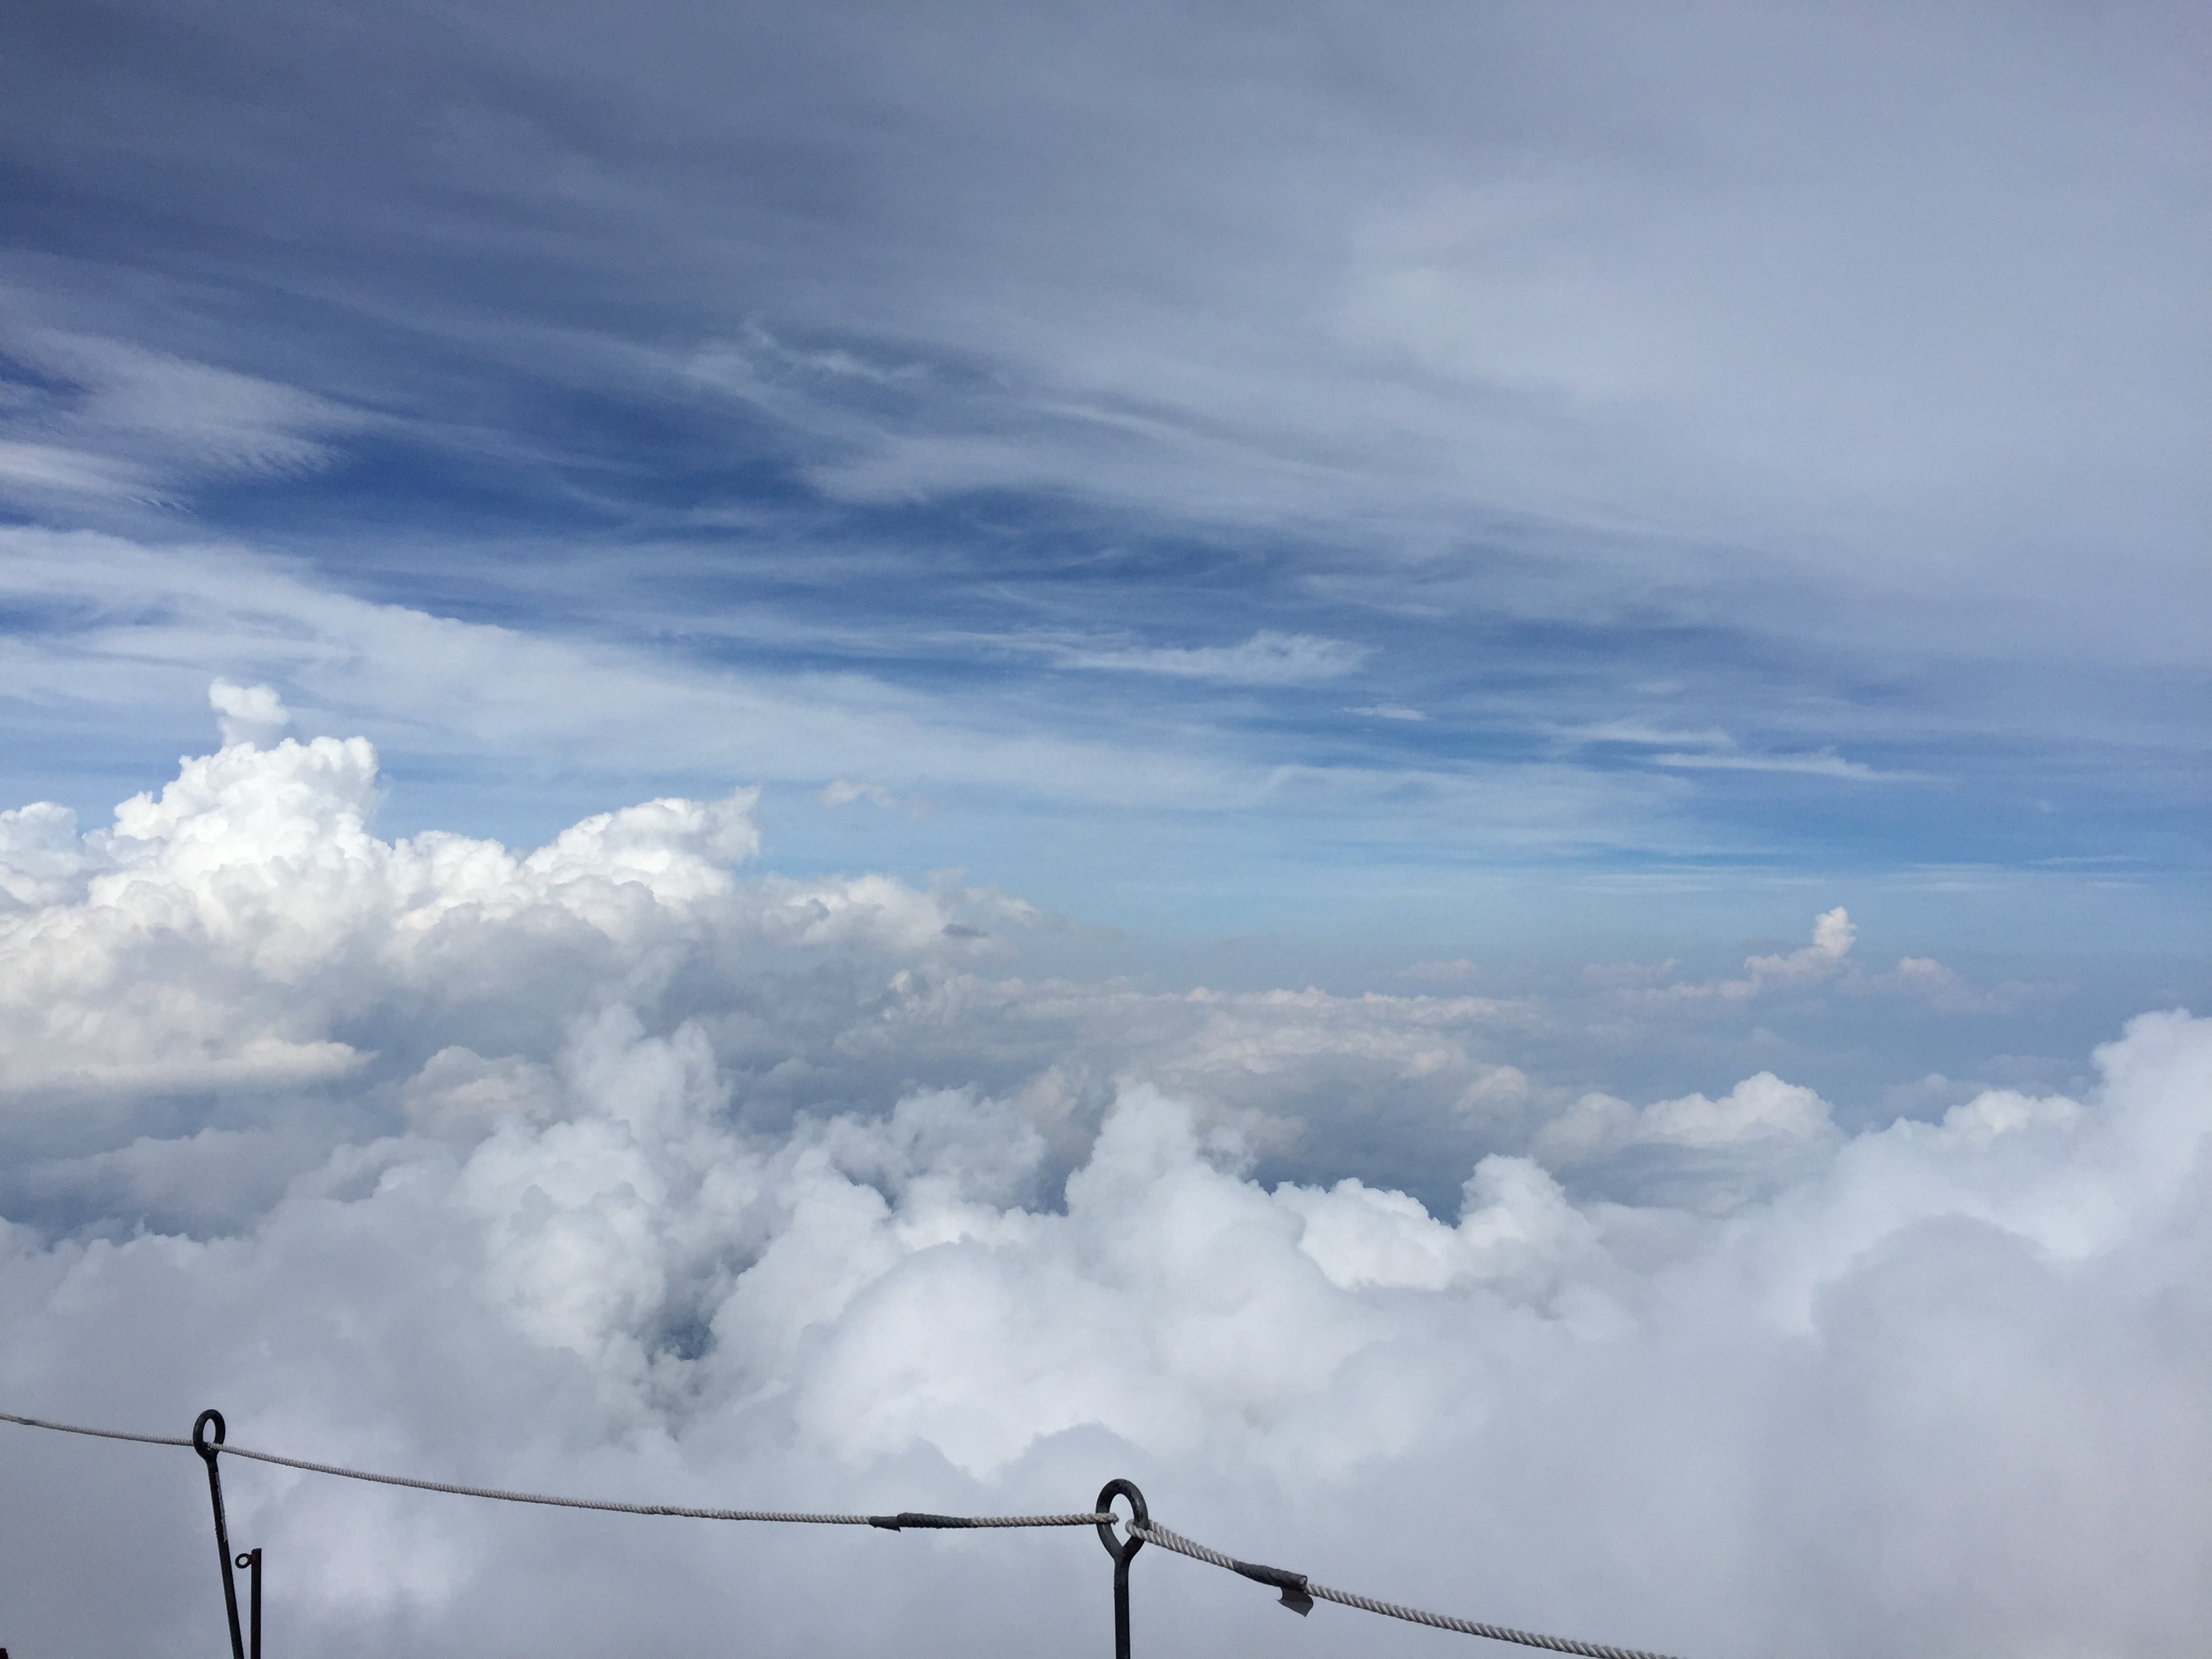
(796, 1518)
(892, 1523)
(1154, 1533)
(1473, 1627)
(97, 1434)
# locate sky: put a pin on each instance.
(1436, 772)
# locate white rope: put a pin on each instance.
(1150, 1532)
(99, 1434)
(1154, 1533)
(892, 1523)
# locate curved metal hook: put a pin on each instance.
(200, 1444)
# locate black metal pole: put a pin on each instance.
(210, 1451)
(252, 1560)
(1121, 1552)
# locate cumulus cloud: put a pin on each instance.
(1710, 1155)
(1823, 965)
(1814, 965)
(251, 714)
(39, 853)
(608, 1166)
(1833, 935)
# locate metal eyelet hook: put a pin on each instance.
(209, 1449)
(1122, 1551)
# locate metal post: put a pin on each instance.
(252, 1559)
(1121, 1552)
(208, 1449)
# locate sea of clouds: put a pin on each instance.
(605, 1169)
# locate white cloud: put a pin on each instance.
(1824, 763)
(1643, 732)
(39, 471)
(1759, 1107)
(1826, 964)
(843, 792)
(257, 866)
(1993, 1113)
(1389, 711)
(40, 856)
(1709, 1155)
(106, 421)
(147, 626)
(1950, 992)
(251, 714)
(1813, 965)
(152, 620)
(1268, 658)
(431, 1154)
(1710, 749)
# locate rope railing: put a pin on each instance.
(801, 1517)
(1298, 1593)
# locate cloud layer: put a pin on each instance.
(603, 1168)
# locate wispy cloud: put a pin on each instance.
(42, 471)
(90, 421)
(1823, 764)
(1267, 658)
(1713, 748)
(843, 792)
(1388, 711)
(1644, 733)
(123, 626)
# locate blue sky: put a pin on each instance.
(1524, 481)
